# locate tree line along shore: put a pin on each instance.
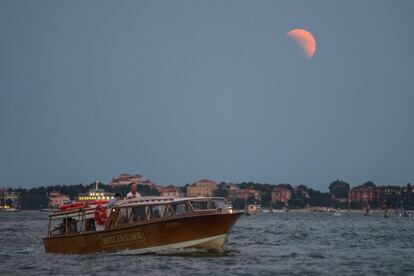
(340, 195)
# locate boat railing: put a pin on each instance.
(147, 200)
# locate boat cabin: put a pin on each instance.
(100, 217)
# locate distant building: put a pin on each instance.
(149, 183)
(204, 187)
(281, 194)
(389, 190)
(125, 179)
(170, 191)
(57, 199)
(364, 194)
(235, 192)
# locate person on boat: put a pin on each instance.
(133, 193)
(367, 210)
(71, 225)
(385, 206)
(90, 225)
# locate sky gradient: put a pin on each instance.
(183, 90)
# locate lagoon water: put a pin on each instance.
(292, 243)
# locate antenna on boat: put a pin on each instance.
(96, 184)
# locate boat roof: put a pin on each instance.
(149, 200)
(145, 200)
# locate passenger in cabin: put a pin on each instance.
(71, 224)
(138, 213)
(133, 193)
(156, 213)
(99, 227)
(60, 229)
(90, 225)
(123, 219)
(68, 225)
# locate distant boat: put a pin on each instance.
(285, 209)
(9, 201)
(9, 209)
(405, 214)
(253, 209)
(367, 211)
(95, 194)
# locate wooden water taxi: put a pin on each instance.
(147, 224)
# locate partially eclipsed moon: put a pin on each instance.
(305, 40)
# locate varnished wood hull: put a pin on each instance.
(201, 231)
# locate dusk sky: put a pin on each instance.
(183, 90)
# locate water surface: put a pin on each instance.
(292, 243)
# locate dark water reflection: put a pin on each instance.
(280, 243)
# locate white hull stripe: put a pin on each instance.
(180, 244)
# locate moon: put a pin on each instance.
(305, 40)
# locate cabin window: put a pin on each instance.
(220, 204)
(63, 226)
(75, 226)
(156, 211)
(169, 212)
(138, 213)
(123, 216)
(89, 225)
(203, 205)
(211, 205)
(57, 227)
(180, 208)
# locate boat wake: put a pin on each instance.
(24, 251)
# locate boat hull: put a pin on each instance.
(208, 231)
